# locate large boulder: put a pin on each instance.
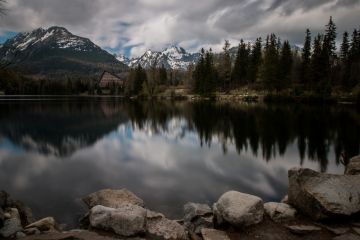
(279, 211)
(112, 198)
(353, 168)
(212, 234)
(127, 220)
(239, 209)
(197, 216)
(11, 225)
(160, 228)
(321, 195)
(45, 224)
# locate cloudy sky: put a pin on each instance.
(133, 26)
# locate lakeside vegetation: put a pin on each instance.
(272, 68)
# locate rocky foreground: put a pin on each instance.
(318, 206)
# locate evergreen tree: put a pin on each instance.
(345, 47)
(286, 60)
(317, 64)
(255, 60)
(225, 66)
(163, 75)
(354, 60)
(270, 73)
(239, 73)
(329, 44)
(306, 58)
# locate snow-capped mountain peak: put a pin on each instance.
(173, 57)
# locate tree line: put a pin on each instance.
(274, 66)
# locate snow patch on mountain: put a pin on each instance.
(173, 57)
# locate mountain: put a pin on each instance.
(55, 53)
(173, 57)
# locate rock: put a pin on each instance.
(285, 199)
(279, 211)
(239, 209)
(197, 216)
(357, 230)
(7, 215)
(194, 236)
(112, 198)
(348, 236)
(127, 220)
(20, 235)
(337, 230)
(3, 199)
(161, 228)
(12, 225)
(32, 231)
(212, 234)
(353, 168)
(321, 195)
(25, 212)
(2, 218)
(302, 229)
(45, 224)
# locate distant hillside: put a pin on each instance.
(57, 53)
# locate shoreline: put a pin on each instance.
(119, 214)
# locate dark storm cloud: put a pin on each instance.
(156, 23)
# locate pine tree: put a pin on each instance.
(317, 63)
(354, 60)
(306, 58)
(270, 73)
(255, 61)
(329, 44)
(162, 75)
(225, 66)
(286, 61)
(345, 47)
(239, 73)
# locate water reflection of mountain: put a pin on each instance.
(58, 127)
(61, 127)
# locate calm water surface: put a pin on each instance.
(53, 151)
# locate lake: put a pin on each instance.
(55, 150)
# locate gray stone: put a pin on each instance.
(285, 199)
(197, 216)
(20, 235)
(357, 230)
(212, 234)
(160, 228)
(12, 225)
(348, 236)
(303, 229)
(45, 224)
(321, 195)
(239, 209)
(127, 220)
(25, 212)
(112, 198)
(279, 211)
(32, 231)
(353, 168)
(337, 230)
(2, 218)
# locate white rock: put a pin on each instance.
(128, 220)
(239, 209)
(279, 211)
(45, 224)
(112, 198)
(322, 195)
(353, 168)
(161, 228)
(11, 225)
(212, 234)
